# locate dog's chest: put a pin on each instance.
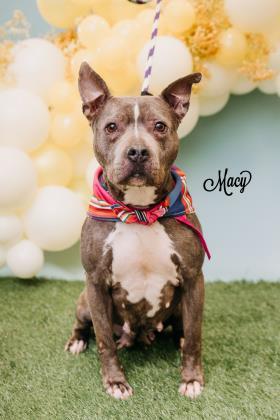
(142, 263)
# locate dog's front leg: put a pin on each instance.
(192, 312)
(100, 304)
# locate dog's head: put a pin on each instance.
(135, 138)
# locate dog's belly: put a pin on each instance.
(142, 264)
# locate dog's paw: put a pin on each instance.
(120, 391)
(125, 341)
(191, 389)
(75, 346)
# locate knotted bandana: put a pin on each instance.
(177, 204)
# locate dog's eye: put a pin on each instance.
(160, 127)
(111, 127)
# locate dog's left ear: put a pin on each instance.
(178, 94)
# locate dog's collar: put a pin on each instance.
(177, 204)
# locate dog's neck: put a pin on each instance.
(142, 196)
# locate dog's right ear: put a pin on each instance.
(93, 90)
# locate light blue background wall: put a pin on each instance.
(242, 230)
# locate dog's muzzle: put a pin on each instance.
(137, 154)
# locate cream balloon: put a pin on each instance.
(268, 86)
(89, 136)
(219, 82)
(172, 60)
(145, 18)
(134, 34)
(272, 37)
(55, 219)
(92, 30)
(190, 120)
(91, 168)
(79, 57)
(10, 229)
(210, 105)
(87, 3)
(274, 58)
(63, 13)
(80, 187)
(242, 85)
(180, 16)
(3, 253)
(68, 129)
(37, 64)
(233, 47)
(102, 8)
(17, 178)
(25, 259)
(112, 53)
(123, 9)
(81, 156)
(54, 166)
(63, 95)
(123, 81)
(24, 119)
(126, 28)
(253, 15)
(116, 10)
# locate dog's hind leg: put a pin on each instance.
(79, 339)
(177, 326)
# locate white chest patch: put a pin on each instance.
(142, 261)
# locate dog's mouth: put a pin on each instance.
(140, 174)
(137, 178)
(137, 175)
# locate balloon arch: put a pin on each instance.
(46, 162)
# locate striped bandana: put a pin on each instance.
(177, 204)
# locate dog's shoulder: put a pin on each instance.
(186, 243)
(93, 237)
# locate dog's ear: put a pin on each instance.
(178, 94)
(93, 90)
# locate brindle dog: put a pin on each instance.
(139, 279)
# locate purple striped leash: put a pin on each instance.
(140, 1)
(149, 63)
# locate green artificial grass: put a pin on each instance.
(38, 380)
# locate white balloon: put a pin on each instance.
(24, 119)
(268, 86)
(219, 82)
(242, 85)
(25, 259)
(55, 219)
(92, 166)
(253, 15)
(172, 60)
(80, 187)
(10, 228)
(81, 156)
(37, 64)
(190, 120)
(274, 58)
(210, 105)
(3, 253)
(17, 177)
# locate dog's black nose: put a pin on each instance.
(137, 155)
